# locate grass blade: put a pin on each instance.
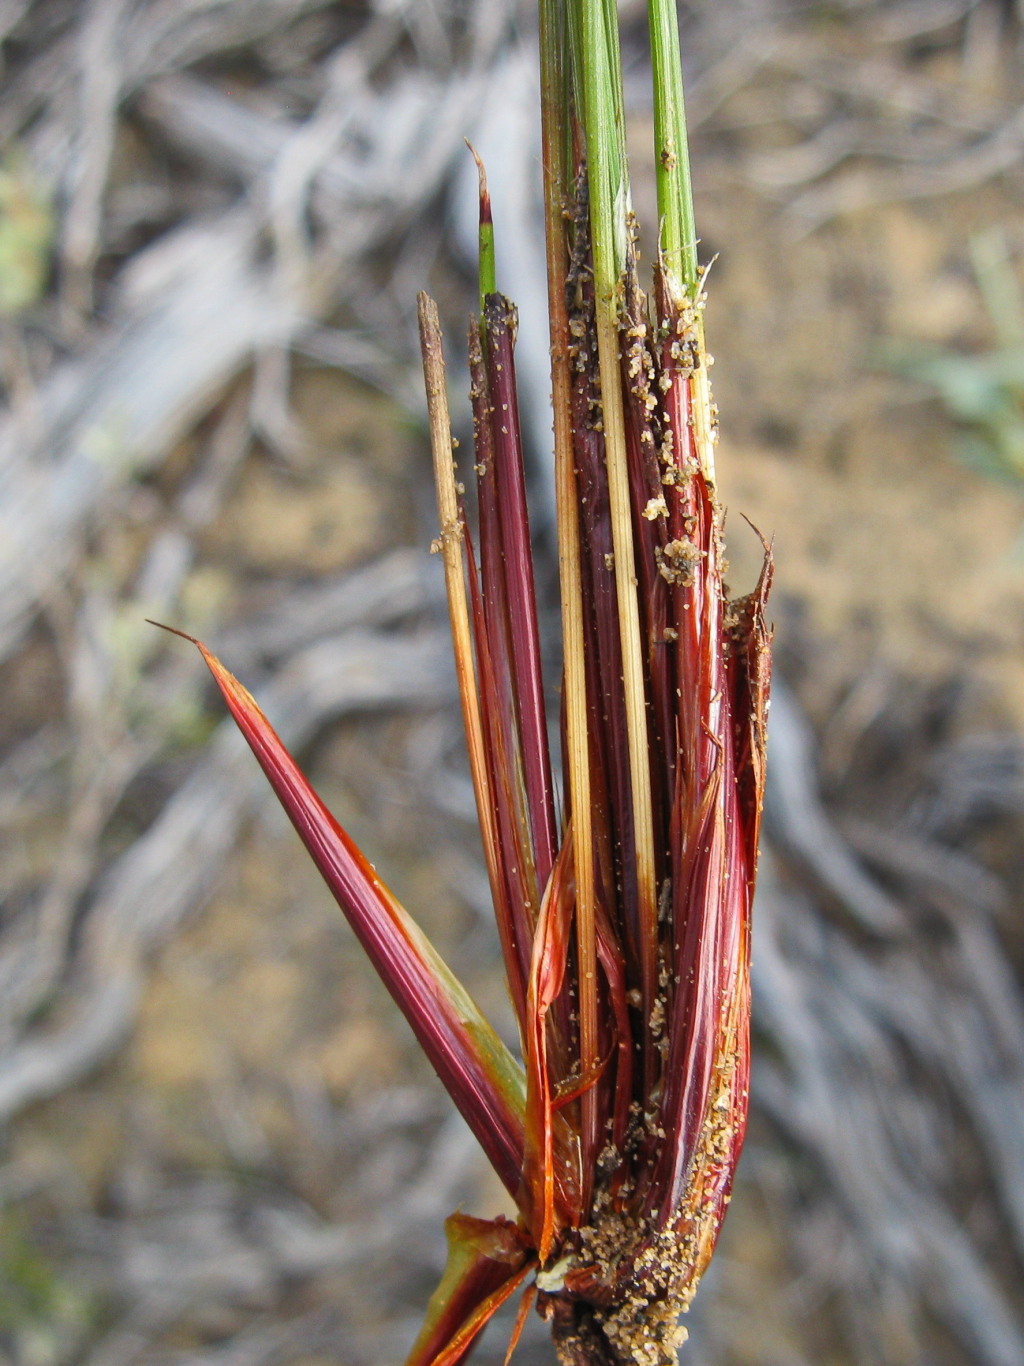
(479, 1073)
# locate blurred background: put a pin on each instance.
(219, 1143)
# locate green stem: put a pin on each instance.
(599, 95)
(678, 237)
(601, 83)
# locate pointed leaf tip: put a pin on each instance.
(479, 1073)
(485, 196)
(172, 631)
(487, 267)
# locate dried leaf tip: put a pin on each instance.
(487, 262)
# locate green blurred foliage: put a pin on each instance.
(43, 1318)
(983, 392)
(26, 236)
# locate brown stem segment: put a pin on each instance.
(452, 547)
(577, 1338)
(514, 530)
